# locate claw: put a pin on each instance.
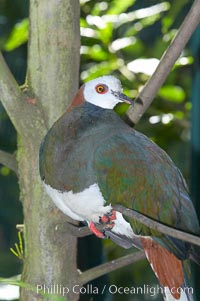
(109, 226)
(94, 230)
(106, 218)
(113, 215)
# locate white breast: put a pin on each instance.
(87, 205)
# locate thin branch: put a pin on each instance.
(68, 228)
(158, 226)
(111, 266)
(22, 110)
(10, 93)
(167, 61)
(8, 160)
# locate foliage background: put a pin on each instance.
(115, 35)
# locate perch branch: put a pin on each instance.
(68, 228)
(8, 160)
(147, 221)
(111, 266)
(158, 226)
(167, 61)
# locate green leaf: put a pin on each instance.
(121, 108)
(18, 36)
(15, 281)
(99, 8)
(45, 295)
(95, 52)
(121, 43)
(175, 10)
(172, 93)
(183, 61)
(4, 171)
(179, 115)
(105, 34)
(83, 23)
(119, 7)
(101, 69)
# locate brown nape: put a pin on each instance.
(78, 99)
(166, 266)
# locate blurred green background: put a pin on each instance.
(124, 38)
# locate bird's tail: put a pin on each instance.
(185, 294)
(195, 254)
(169, 270)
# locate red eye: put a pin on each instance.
(101, 89)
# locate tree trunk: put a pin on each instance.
(52, 78)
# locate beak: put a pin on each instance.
(122, 97)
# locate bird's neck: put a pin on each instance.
(90, 113)
(88, 119)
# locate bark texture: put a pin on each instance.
(52, 79)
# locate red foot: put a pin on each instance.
(104, 219)
(94, 230)
(113, 215)
(110, 226)
(107, 218)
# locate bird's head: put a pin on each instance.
(104, 92)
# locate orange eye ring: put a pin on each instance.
(101, 89)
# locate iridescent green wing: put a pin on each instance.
(134, 172)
